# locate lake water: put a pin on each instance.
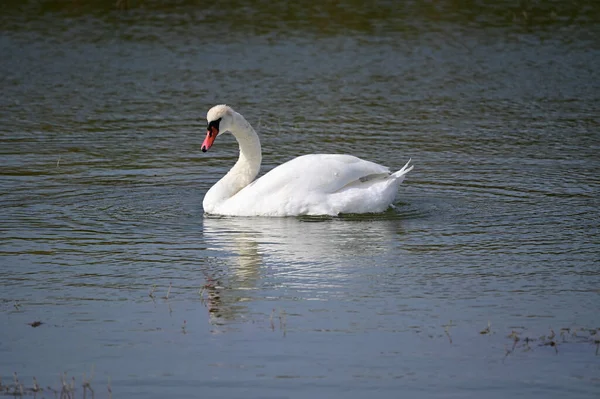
(484, 281)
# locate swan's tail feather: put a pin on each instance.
(402, 172)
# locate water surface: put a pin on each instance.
(102, 179)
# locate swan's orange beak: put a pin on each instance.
(211, 135)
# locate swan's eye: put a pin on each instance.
(213, 124)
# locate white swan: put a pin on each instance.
(316, 184)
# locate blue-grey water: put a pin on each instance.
(484, 281)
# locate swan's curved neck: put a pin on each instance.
(245, 169)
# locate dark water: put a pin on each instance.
(102, 118)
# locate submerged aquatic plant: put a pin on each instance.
(568, 336)
(486, 330)
(166, 297)
(447, 330)
(67, 389)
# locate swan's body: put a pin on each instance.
(316, 184)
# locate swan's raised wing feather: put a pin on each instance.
(321, 173)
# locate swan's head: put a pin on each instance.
(220, 119)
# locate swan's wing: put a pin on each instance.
(318, 184)
(316, 173)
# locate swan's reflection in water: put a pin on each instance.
(270, 258)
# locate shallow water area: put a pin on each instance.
(482, 280)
